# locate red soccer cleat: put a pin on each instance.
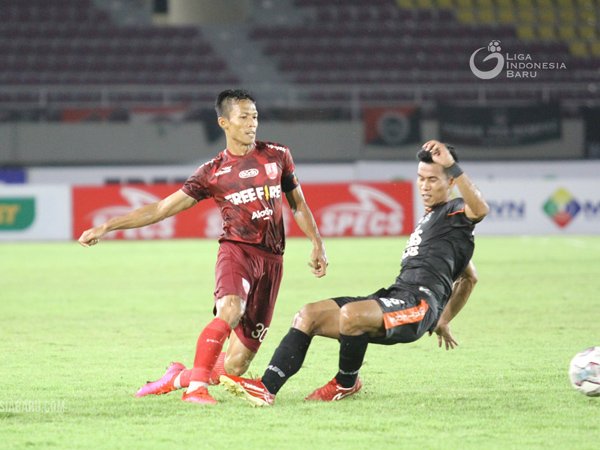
(332, 391)
(253, 391)
(200, 396)
(165, 384)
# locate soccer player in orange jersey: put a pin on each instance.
(434, 284)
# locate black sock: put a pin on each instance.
(287, 359)
(352, 354)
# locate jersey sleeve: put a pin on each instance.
(196, 186)
(289, 181)
(456, 211)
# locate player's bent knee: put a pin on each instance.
(306, 319)
(231, 308)
(350, 320)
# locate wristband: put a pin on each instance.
(454, 170)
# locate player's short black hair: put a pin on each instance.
(229, 96)
(425, 156)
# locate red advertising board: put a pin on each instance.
(340, 209)
(360, 209)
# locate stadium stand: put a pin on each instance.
(65, 42)
(430, 42)
(380, 50)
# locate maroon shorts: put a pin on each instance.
(254, 275)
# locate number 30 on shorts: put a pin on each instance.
(260, 332)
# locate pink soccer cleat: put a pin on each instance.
(165, 384)
(253, 391)
(332, 391)
(200, 396)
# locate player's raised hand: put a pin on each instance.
(439, 153)
(91, 237)
(318, 262)
(445, 336)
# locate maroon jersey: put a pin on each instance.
(248, 190)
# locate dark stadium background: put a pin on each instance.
(122, 92)
(63, 61)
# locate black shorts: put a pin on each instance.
(408, 312)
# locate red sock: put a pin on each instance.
(184, 379)
(218, 370)
(209, 346)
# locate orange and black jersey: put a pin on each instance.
(439, 250)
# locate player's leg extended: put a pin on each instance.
(235, 361)
(230, 309)
(314, 319)
(177, 376)
(320, 318)
(358, 321)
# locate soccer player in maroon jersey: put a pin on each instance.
(435, 281)
(247, 181)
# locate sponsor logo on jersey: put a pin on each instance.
(414, 241)
(391, 302)
(410, 315)
(223, 171)
(250, 173)
(265, 214)
(271, 169)
(254, 193)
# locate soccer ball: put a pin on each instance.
(584, 371)
(494, 47)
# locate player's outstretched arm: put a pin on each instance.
(305, 220)
(461, 291)
(476, 208)
(146, 215)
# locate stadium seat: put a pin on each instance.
(67, 41)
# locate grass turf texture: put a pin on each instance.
(82, 329)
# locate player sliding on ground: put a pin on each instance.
(435, 281)
(247, 181)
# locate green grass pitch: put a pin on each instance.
(82, 329)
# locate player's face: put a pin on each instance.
(433, 184)
(241, 123)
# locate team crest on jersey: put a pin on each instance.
(250, 173)
(271, 169)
